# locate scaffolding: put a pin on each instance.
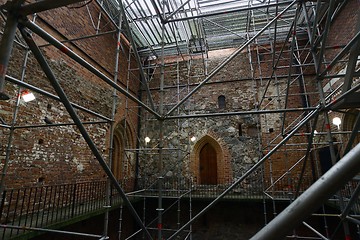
(289, 58)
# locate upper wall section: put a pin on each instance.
(46, 147)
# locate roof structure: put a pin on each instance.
(198, 26)
(158, 29)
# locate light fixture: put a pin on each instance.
(193, 138)
(27, 96)
(315, 132)
(337, 121)
(147, 139)
(48, 120)
(169, 174)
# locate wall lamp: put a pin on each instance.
(27, 96)
(336, 121)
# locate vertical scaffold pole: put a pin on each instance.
(48, 72)
(178, 153)
(161, 131)
(257, 62)
(6, 47)
(113, 112)
(12, 129)
(120, 221)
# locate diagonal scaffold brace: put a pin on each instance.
(64, 99)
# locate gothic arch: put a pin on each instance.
(123, 162)
(349, 121)
(224, 173)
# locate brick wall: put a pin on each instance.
(343, 28)
(58, 154)
(237, 133)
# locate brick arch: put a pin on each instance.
(349, 121)
(123, 162)
(224, 172)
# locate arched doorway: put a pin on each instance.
(210, 161)
(208, 165)
(123, 162)
(116, 167)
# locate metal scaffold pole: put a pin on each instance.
(36, 29)
(52, 96)
(228, 59)
(290, 35)
(6, 46)
(160, 209)
(312, 198)
(111, 138)
(13, 123)
(47, 70)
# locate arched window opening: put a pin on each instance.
(240, 129)
(222, 102)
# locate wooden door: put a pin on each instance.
(208, 165)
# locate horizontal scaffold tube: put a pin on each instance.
(46, 36)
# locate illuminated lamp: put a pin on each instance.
(337, 121)
(27, 96)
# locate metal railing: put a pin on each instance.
(251, 188)
(47, 206)
(44, 206)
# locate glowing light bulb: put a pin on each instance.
(337, 121)
(27, 96)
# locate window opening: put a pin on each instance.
(222, 101)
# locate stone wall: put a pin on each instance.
(245, 137)
(235, 137)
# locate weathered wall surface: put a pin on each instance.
(58, 154)
(235, 137)
(243, 138)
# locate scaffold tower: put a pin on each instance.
(145, 107)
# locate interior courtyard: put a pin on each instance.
(180, 119)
